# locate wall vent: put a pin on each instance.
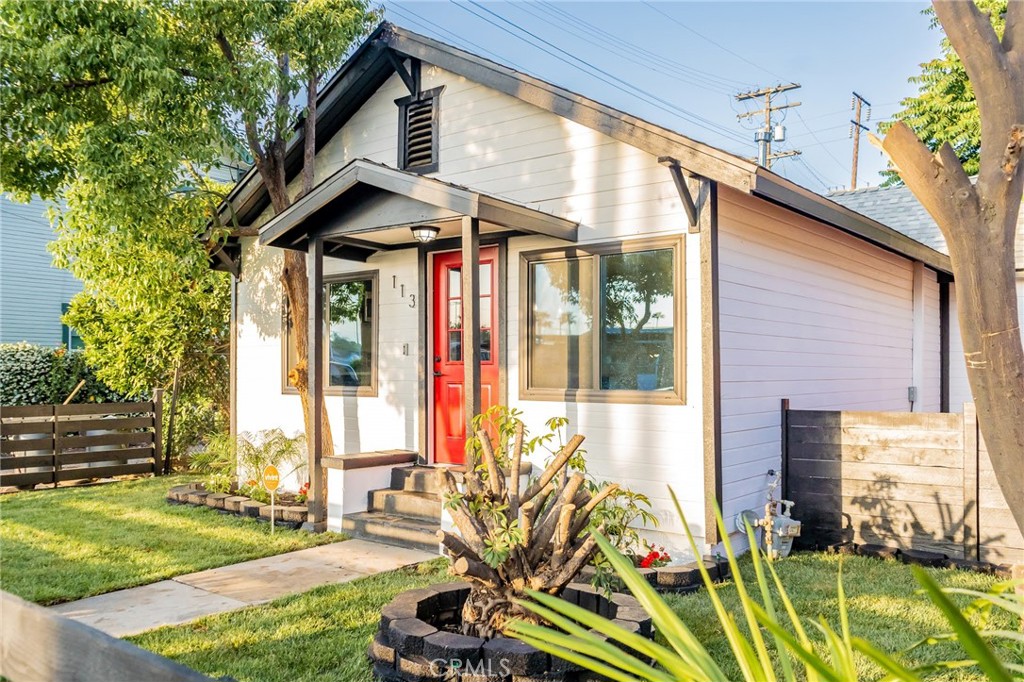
(418, 122)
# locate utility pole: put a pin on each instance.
(769, 133)
(855, 127)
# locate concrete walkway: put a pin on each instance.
(187, 597)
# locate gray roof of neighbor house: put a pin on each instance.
(384, 52)
(896, 207)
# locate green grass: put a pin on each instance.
(323, 634)
(884, 605)
(65, 544)
(320, 635)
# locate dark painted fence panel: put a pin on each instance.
(913, 480)
(53, 443)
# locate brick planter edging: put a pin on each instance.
(239, 505)
(412, 646)
(680, 579)
(920, 558)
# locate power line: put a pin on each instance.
(654, 100)
(626, 51)
(718, 45)
(818, 140)
(563, 15)
(427, 24)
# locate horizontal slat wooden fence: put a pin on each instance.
(912, 480)
(55, 443)
(38, 645)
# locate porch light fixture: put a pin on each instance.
(425, 233)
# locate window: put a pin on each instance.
(68, 335)
(605, 323)
(418, 129)
(350, 337)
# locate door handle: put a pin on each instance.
(438, 374)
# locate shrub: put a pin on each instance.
(600, 645)
(40, 375)
(248, 455)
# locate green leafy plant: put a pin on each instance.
(513, 538)
(597, 644)
(248, 455)
(41, 375)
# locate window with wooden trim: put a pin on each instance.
(418, 131)
(350, 340)
(605, 323)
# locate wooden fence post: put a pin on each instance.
(784, 469)
(972, 515)
(158, 428)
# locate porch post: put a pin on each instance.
(471, 316)
(315, 275)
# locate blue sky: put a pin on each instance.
(679, 64)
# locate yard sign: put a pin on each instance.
(271, 479)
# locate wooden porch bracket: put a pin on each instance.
(679, 178)
(411, 77)
(471, 317)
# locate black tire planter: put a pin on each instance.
(417, 640)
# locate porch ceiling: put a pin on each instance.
(359, 209)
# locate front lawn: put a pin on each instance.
(320, 635)
(323, 634)
(65, 544)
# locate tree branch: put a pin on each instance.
(1013, 35)
(251, 138)
(938, 181)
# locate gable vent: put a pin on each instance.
(419, 132)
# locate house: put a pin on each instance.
(478, 236)
(898, 208)
(33, 293)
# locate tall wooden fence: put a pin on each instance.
(54, 443)
(912, 480)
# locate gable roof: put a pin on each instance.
(896, 207)
(389, 45)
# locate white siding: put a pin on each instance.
(500, 145)
(809, 314)
(32, 290)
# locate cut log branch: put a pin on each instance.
(556, 465)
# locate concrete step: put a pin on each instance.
(415, 479)
(392, 529)
(426, 506)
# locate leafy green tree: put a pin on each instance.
(944, 109)
(119, 105)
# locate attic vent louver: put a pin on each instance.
(418, 123)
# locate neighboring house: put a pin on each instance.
(661, 294)
(898, 208)
(33, 293)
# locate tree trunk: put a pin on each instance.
(979, 222)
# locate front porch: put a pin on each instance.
(361, 214)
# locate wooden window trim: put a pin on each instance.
(403, 137)
(595, 395)
(356, 391)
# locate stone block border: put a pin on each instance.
(416, 640)
(920, 558)
(239, 505)
(681, 579)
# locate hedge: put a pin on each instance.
(41, 375)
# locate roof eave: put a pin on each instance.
(775, 188)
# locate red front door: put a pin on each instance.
(448, 369)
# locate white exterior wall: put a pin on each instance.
(810, 314)
(496, 144)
